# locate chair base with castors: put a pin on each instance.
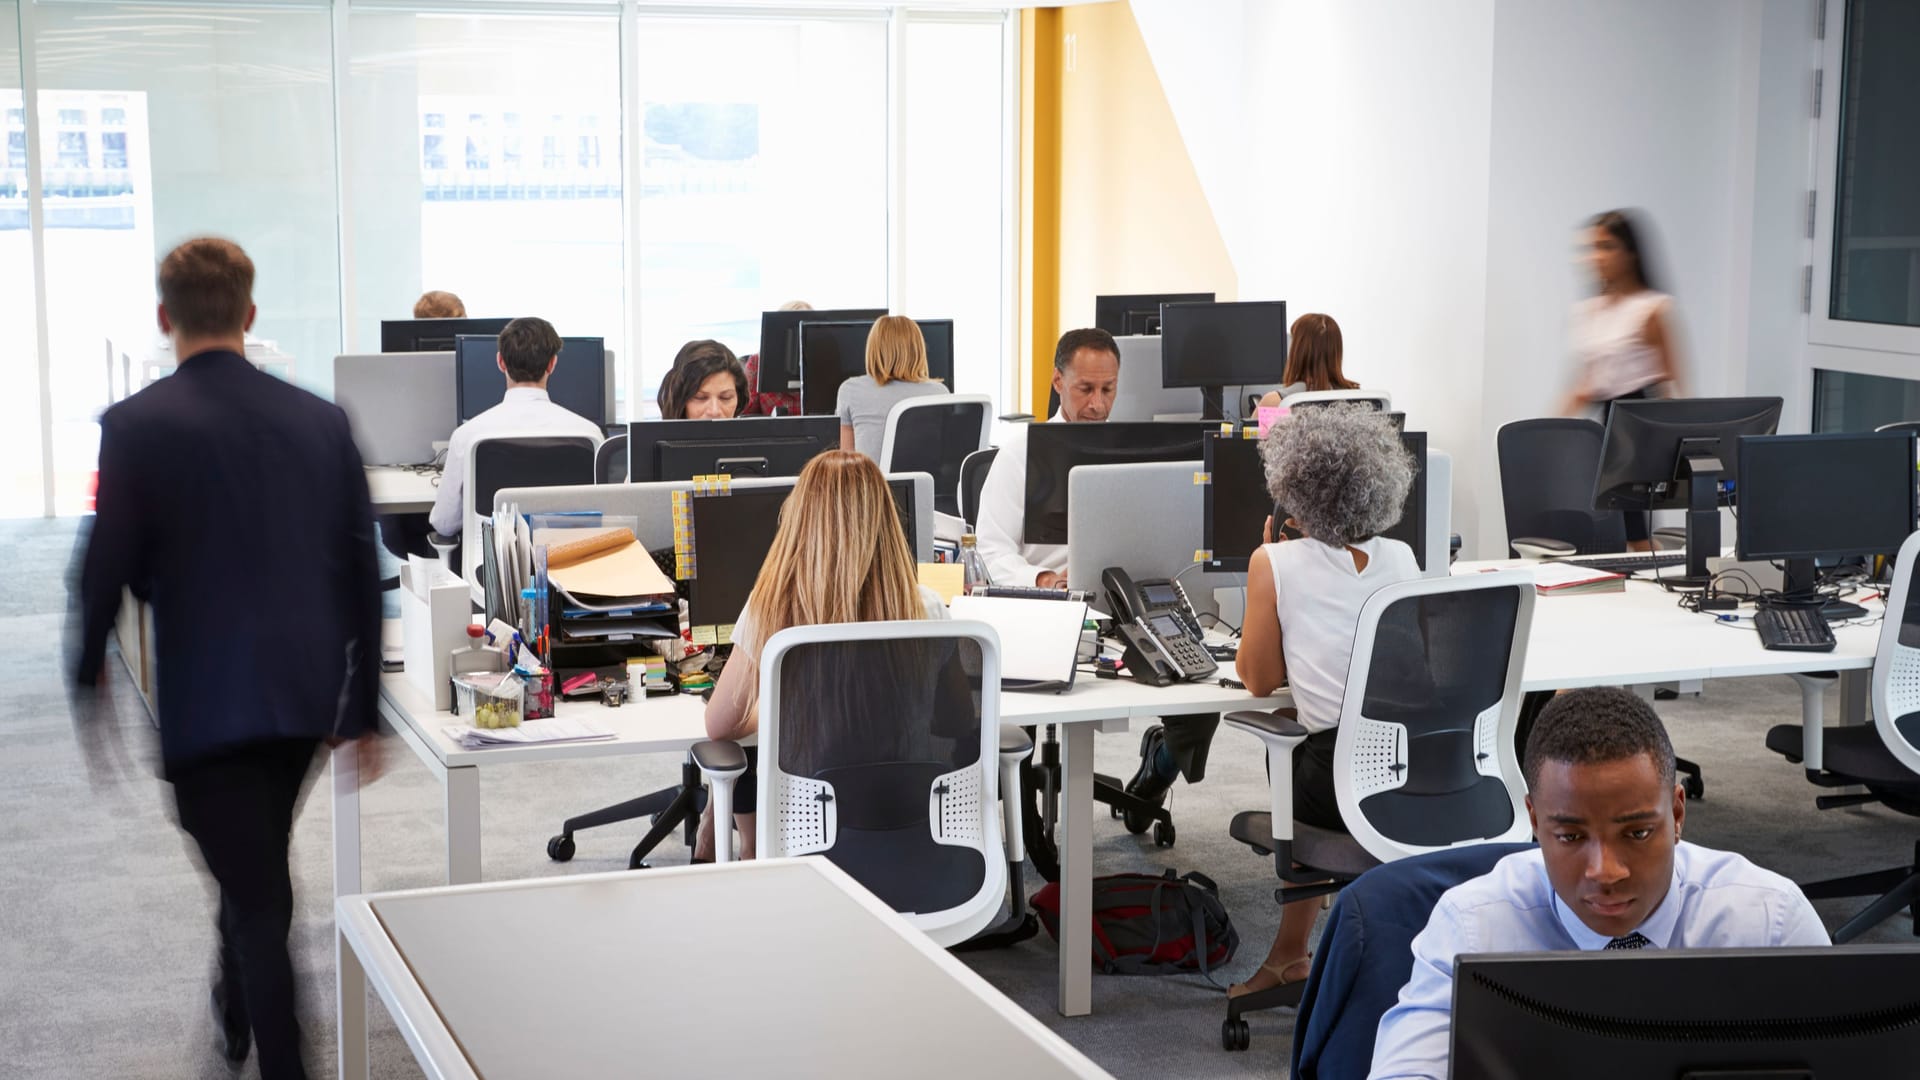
(1042, 780)
(669, 809)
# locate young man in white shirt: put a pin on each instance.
(529, 349)
(1610, 873)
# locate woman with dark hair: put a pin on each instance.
(706, 383)
(1314, 352)
(1623, 336)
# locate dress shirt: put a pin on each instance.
(1718, 900)
(524, 410)
(1002, 523)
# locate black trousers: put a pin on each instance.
(1189, 739)
(238, 807)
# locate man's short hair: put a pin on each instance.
(439, 304)
(1594, 725)
(206, 287)
(527, 346)
(1073, 341)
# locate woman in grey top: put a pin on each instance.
(896, 371)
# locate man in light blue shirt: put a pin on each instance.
(1610, 873)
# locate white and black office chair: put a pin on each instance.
(1379, 399)
(610, 461)
(1883, 756)
(880, 748)
(1425, 759)
(507, 461)
(934, 435)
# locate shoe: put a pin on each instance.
(232, 1033)
(1279, 974)
(1147, 784)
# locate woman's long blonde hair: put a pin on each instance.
(896, 350)
(839, 556)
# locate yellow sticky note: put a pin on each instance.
(947, 579)
(705, 635)
(725, 633)
(1202, 479)
(1203, 555)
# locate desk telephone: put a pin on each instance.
(1162, 633)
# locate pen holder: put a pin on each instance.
(539, 692)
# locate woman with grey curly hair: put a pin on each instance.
(1342, 476)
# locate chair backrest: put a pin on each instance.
(973, 477)
(935, 435)
(879, 748)
(610, 461)
(1379, 399)
(1547, 468)
(508, 461)
(1896, 665)
(1900, 425)
(1366, 955)
(1425, 758)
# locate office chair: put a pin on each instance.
(1379, 399)
(1366, 955)
(1883, 757)
(973, 477)
(1425, 758)
(880, 748)
(610, 461)
(935, 435)
(1900, 425)
(509, 461)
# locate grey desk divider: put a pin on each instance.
(652, 504)
(1145, 519)
(399, 404)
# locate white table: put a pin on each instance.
(673, 725)
(401, 491)
(684, 971)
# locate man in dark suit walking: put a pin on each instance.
(236, 505)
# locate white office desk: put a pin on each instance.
(674, 724)
(777, 967)
(401, 491)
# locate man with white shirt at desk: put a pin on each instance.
(529, 349)
(1610, 873)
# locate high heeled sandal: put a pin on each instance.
(1279, 973)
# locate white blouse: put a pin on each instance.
(1609, 339)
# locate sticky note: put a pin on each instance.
(1202, 479)
(947, 579)
(725, 633)
(1203, 555)
(1266, 415)
(705, 635)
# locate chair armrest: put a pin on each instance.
(1280, 725)
(1541, 547)
(717, 757)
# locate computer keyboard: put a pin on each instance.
(1794, 629)
(1030, 592)
(1626, 564)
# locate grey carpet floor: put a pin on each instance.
(106, 929)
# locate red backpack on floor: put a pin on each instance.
(1145, 924)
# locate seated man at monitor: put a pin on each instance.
(1610, 873)
(529, 349)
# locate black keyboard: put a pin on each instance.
(1626, 564)
(1794, 629)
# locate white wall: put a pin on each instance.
(1418, 171)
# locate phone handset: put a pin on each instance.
(1158, 623)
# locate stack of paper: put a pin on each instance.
(1565, 579)
(551, 730)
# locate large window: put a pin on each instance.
(21, 492)
(1876, 255)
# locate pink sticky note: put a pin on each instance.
(1266, 415)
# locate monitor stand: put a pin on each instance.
(1213, 403)
(1702, 470)
(1800, 580)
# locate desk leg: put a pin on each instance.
(463, 825)
(352, 980)
(1075, 839)
(343, 767)
(1856, 689)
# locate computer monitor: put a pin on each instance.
(433, 335)
(1777, 1014)
(732, 534)
(1213, 346)
(939, 336)
(746, 446)
(830, 354)
(780, 343)
(1236, 503)
(578, 383)
(1054, 450)
(1679, 454)
(1135, 314)
(399, 404)
(1809, 497)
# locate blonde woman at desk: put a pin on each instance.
(839, 556)
(896, 371)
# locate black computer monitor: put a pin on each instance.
(1236, 503)
(939, 336)
(1137, 314)
(1213, 346)
(746, 446)
(1777, 1014)
(433, 335)
(578, 383)
(780, 343)
(1054, 450)
(1679, 454)
(732, 534)
(1809, 497)
(830, 354)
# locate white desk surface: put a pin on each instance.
(685, 971)
(401, 491)
(1640, 635)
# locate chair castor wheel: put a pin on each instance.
(1163, 833)
(560, 848)
(1114, 812)
(1696, 787)
(1235, 1034)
